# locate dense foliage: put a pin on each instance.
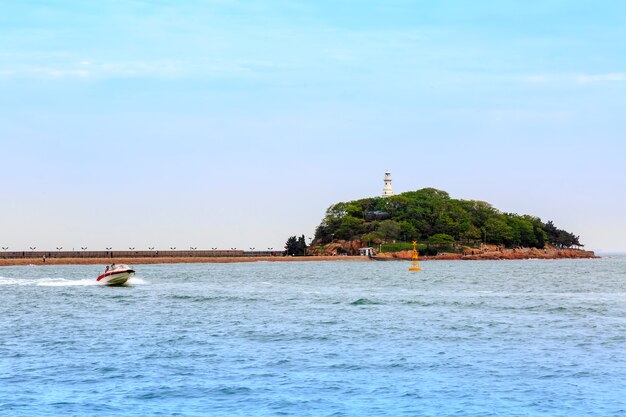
(430, 215)
(295, 246)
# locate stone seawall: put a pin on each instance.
(131, 254)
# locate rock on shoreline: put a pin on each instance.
(499, 253)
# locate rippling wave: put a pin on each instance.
(364, 301)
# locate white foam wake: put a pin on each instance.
(136, 281)
(62, 282)
(47, 282)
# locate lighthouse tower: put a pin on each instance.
(387, 190)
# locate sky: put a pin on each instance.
(236, 124)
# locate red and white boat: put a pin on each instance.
(116, 274)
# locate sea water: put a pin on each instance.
(485, 338)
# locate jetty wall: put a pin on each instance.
(136, 254)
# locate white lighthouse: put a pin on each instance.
(387, 190)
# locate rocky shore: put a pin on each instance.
(496, 254)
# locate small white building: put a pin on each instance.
(366, 252)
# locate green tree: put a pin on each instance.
(291, 246)
(349, 227)
(441, 239)
(389, 229)
(371, 238)
(552, 232)
(522, 233)
(407, 231)
(560, 238)
(498, 231)
(354, 210)
(540, 236)
(295, 246)
(472, 233)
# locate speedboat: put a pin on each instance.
(116, 274)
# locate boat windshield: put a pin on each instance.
(116, 267)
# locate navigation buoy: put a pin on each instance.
(415, 265)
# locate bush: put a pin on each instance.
(441, 239)
(396, 247)
(423, 249)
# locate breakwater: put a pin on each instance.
(130, 254)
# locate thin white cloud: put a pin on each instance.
(609, 77)
(576, 78)
(157, 69)
(60, 73)
(525, 116)
(89, 69)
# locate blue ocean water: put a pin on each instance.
(488, 338)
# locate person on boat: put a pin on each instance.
(106, 269)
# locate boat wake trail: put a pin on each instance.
(48, 282)
(61, 282)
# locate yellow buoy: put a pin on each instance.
(415, 265)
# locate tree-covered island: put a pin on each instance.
(438, 222)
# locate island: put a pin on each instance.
(444, 228)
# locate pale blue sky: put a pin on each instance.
(236, 124)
